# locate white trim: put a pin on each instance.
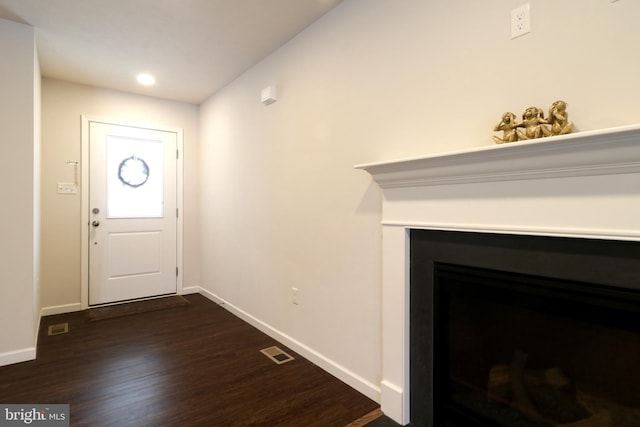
(603, 152)
(395, 396)
(17, 356)
(365, 387)
(84, 186)
(60, 309)
(37, 332)
(212, 297)
(84, 212)
(604, 234)
(180, 207)
(190, 290)
(394, 400)
(25, 354)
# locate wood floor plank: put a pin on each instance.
(192, 365)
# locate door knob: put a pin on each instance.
(95, 223)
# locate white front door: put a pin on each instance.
(132, 235)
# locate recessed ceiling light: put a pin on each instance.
(146, 79)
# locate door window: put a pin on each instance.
(134, 178)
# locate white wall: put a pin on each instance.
(19, 143)
(378, 80)
(63, 104)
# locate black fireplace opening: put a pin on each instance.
(521, 350)
(530, 331)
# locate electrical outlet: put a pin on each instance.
(294, 296)
(520, 21)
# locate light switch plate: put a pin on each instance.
(67, 188)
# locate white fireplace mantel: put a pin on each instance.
(601, 152)
(582, 185)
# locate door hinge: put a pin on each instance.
(177, 214)
(176, 271)
(177, 153)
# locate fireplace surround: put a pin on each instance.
(583, 186)
(493, 315)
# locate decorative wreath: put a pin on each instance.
(133, 171)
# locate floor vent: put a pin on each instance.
(277, 355)
(60, 328)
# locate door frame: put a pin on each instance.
(84, 197)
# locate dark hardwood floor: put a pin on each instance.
(194, 365)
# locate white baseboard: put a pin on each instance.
(68, 308)
(190, 290)
(25, 354)
(392, 402)
(60, 309)
(17, 356)
(365, 387)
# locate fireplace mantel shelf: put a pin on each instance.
(601, 152)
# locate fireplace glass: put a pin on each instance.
(519, 350)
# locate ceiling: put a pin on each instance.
(192, 47)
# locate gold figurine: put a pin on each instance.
(559, 119)
(509, 126)
(534, 124)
